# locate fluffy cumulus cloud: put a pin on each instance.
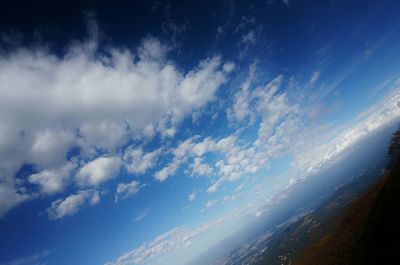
(73, 203)
(194, 148)
(98, 171)
(231, 158)
(167, 171)
(139, 162)
(201, 169)
(93, 101)
(52, 180)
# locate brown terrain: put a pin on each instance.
(369, 230)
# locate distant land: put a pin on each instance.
(368, 232)
(357, 223)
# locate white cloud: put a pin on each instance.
(126, 190)
(9, 198)
(192, 196)
(191, 148)
(238, 161)
(248, 31)
(228, 67)
(249, 38)
(314, 77)
(264, 102)
(53, 180)
(278, 128)
(273, 107)
(142, 215)
(98, 171)
(72, 204)
(105, 135)
(152, 49)
(35, 259)
(93, 100)
(201, 169)
(49, 147)
(240, 109)
(214, 187)
(176, 239)
(210, 203)
(138, 162)
(378, 116)
(258, 214)
(167, 171)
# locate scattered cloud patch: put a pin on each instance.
(54, 180)
(126, 190)
(201, 169)
(210, 203)
(314, 77)
(10, 197)
(192, 196)
(142, 215)
(98, 171)
(249, 38)
(72, 204)
(138, 162)
(167, 171)
(35, 259)
(214, 187)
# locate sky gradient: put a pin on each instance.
(145, 133)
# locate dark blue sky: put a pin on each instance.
(289, 36)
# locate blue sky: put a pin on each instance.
(146, 133)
